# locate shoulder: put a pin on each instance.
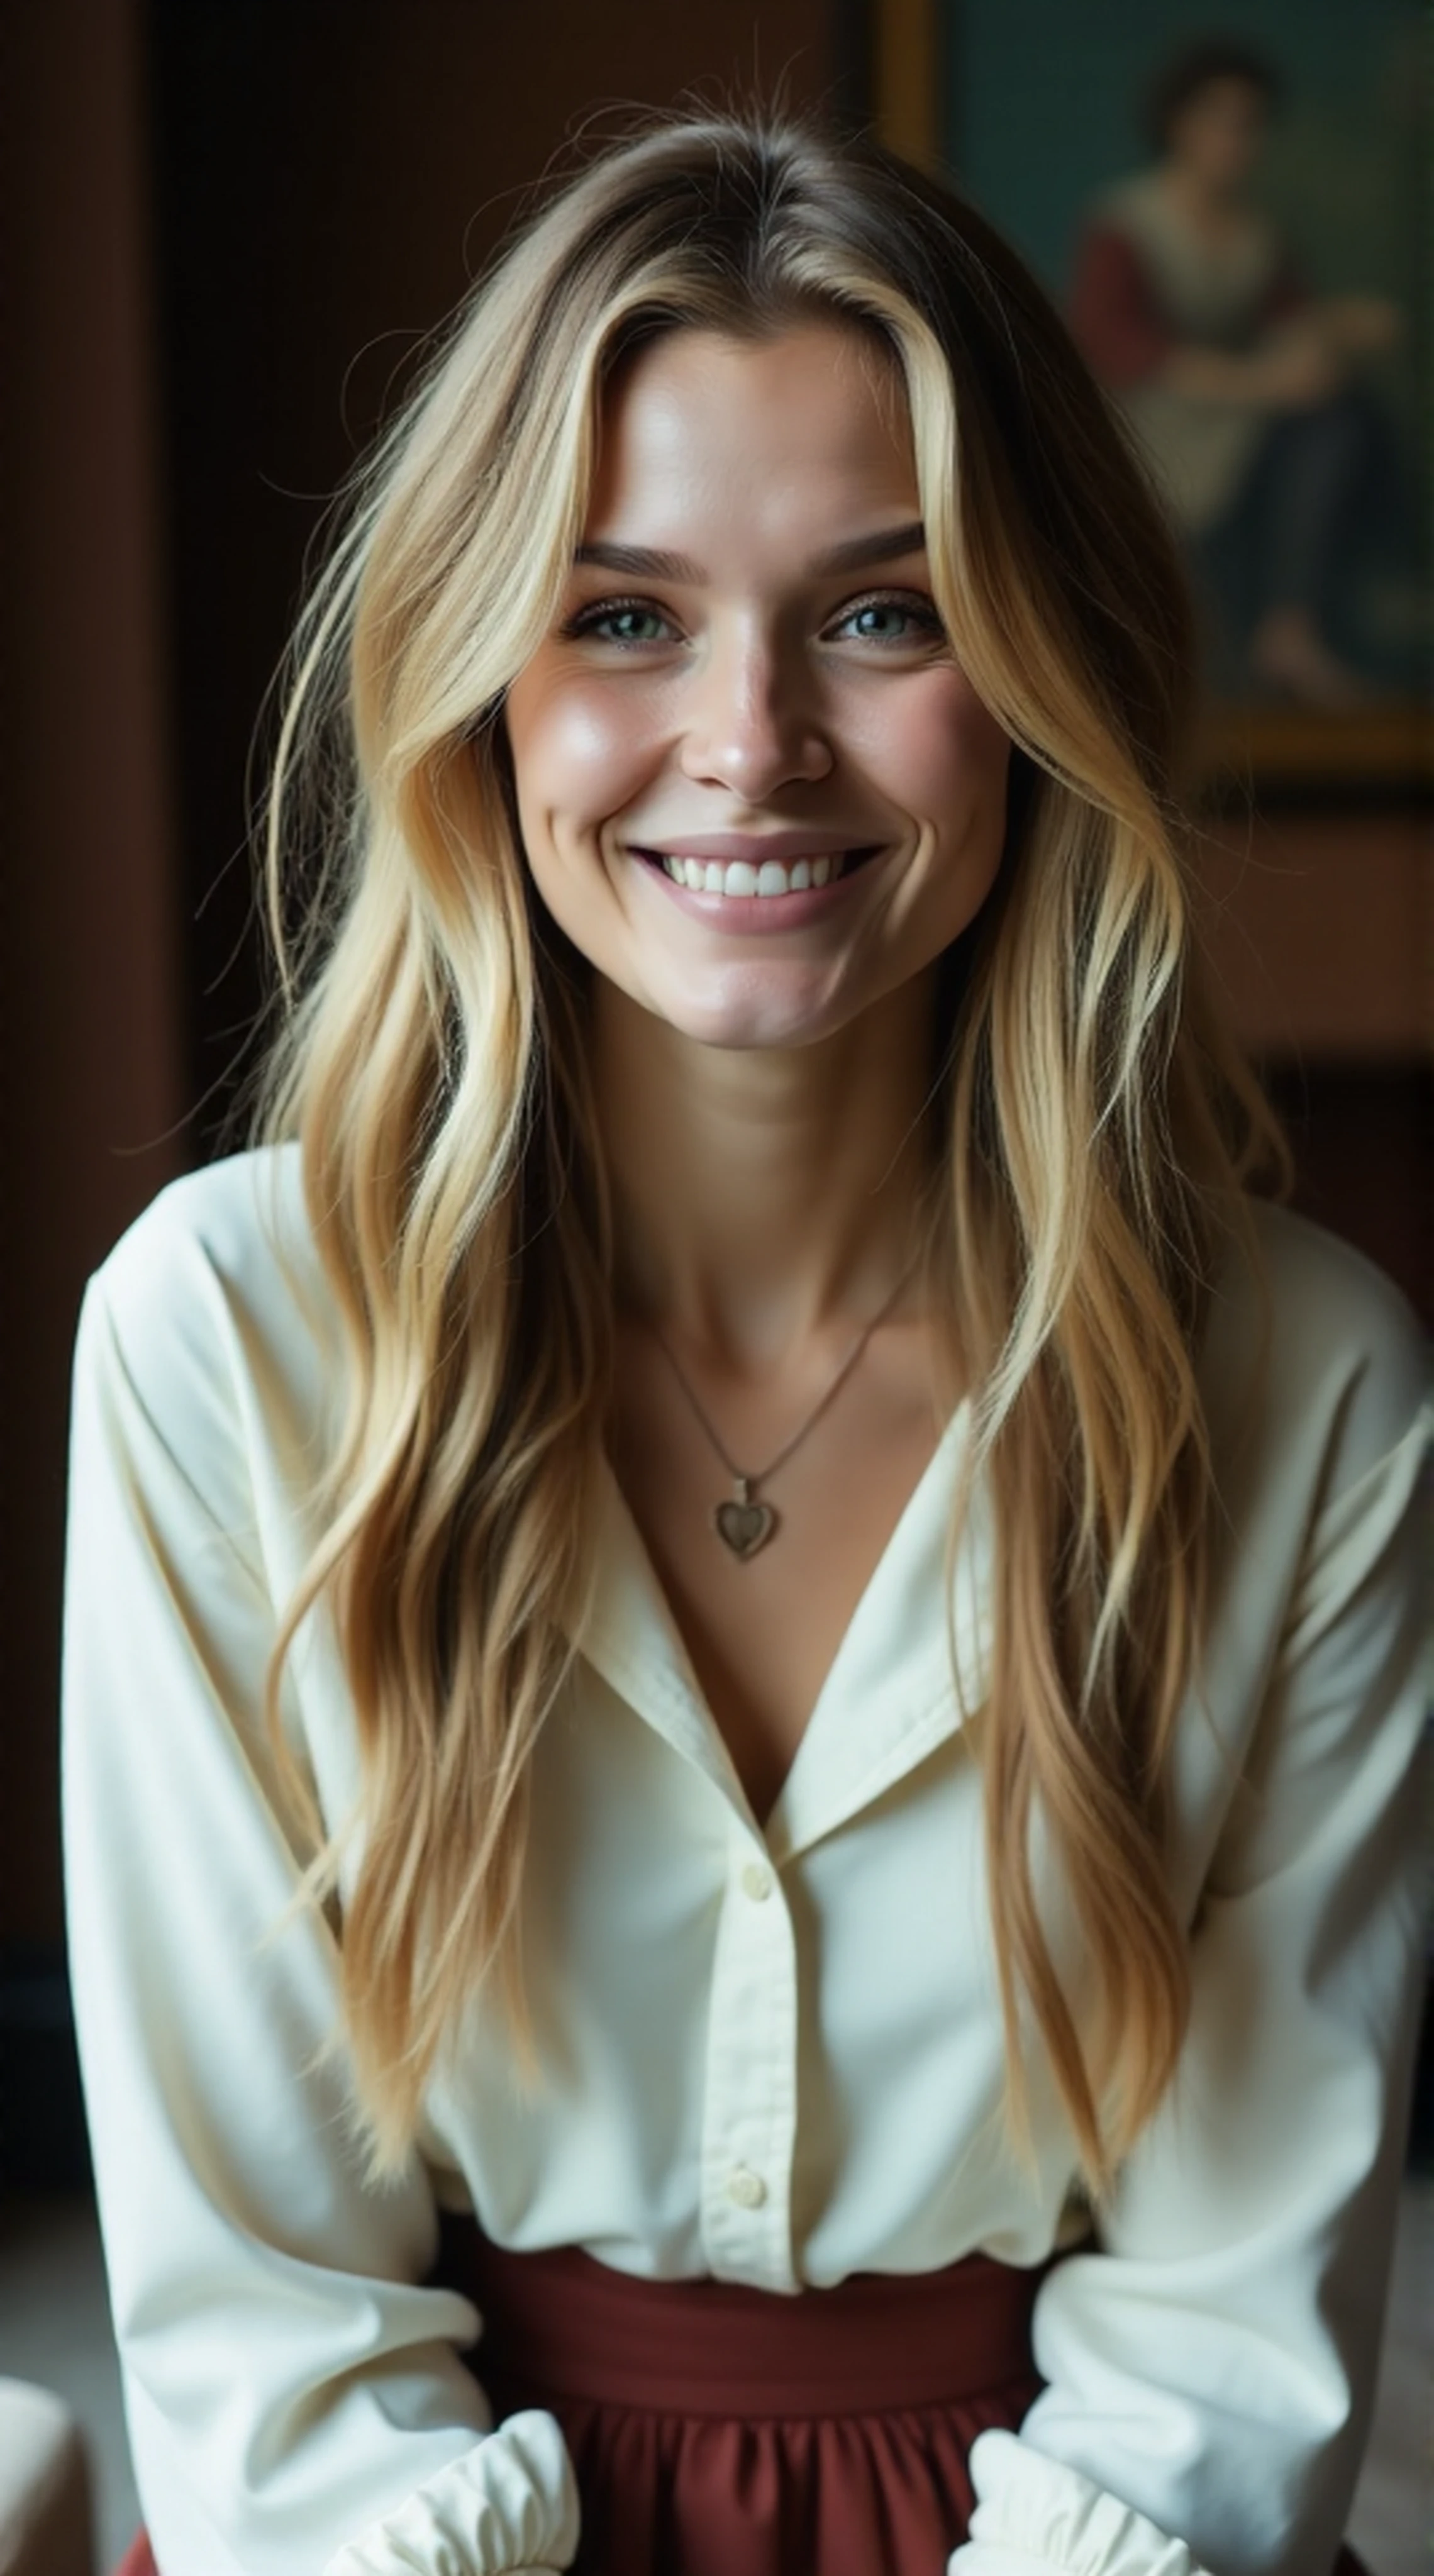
(234, 1234)
(213, 1310)
(1313, 1355)
(233, 1206)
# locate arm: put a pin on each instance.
(1211, 2369)
(1115, 316)
(296, 2399)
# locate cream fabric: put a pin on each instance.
(1213, 295)
(772, 2057)
(44, 2486)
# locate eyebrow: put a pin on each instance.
(647, 563)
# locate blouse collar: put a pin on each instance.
(889, 1697)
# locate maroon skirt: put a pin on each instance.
(722, 2431)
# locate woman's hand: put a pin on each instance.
(1299, 370)
(1361, 326)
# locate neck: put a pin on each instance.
(760, 1197)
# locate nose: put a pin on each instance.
(751, 722)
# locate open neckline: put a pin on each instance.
(877, 1656)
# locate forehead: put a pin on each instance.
(764, 435)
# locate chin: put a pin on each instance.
(742, 1033)
(748, 1021)
(775, 1040)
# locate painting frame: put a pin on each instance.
(917, 52)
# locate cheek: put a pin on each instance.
(579, 752)
(946, 758)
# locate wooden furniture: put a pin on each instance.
(1320, 928)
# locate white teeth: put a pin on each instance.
(740, 877)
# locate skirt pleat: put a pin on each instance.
(672, 2495)
(717, 2430)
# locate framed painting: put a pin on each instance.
(1234, 221)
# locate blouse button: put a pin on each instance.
(756, 1882)
(746, 2188)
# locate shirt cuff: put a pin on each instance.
(509, 2507)
(1036, 2517)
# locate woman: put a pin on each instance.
(716, 1633)
(1238, 383)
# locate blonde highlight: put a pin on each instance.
(1099, 1129)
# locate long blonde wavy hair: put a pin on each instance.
(1098, 1132)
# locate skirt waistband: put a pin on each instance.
(562, 2322)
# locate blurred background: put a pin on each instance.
(228, 228)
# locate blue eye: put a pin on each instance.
(890, 621)
(621, 621)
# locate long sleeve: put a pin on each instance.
(295, 2393)
(1115, 312)
(298, 2399)
(1211, 2365)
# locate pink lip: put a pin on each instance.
(754, 916)
(754, 847)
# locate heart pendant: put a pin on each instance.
(744, 1527)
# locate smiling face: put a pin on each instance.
(754, 787)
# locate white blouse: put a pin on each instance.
(770, 2056)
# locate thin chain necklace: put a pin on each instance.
(743, 1523)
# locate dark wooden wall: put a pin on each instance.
(227, 226)
(329, 179)
(91, 1074)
